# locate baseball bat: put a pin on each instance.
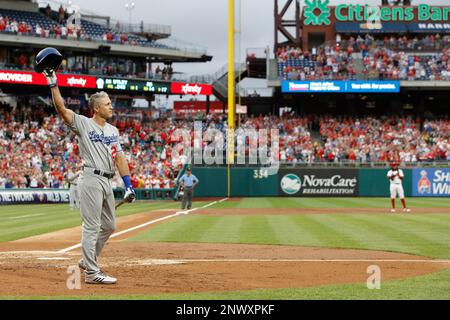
(126, 200)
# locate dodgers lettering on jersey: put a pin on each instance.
(398, 174)
(98, 146)
(95, 137)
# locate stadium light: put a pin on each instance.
(129, 7)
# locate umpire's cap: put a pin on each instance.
(48, 58)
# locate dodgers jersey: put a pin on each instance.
(395, 173)
(98, 146)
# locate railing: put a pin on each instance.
(420, 47)
(256, 92)
(142, 28)
(374, 164)
(224, 70)
(203, 78)
(183, 45)
(342, 164)
(258, 53)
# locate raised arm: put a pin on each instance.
(58, 100)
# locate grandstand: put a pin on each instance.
(50, 148)
(25, 29)
(316, 129)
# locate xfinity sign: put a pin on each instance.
(318, 12)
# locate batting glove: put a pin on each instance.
(50, 75)
(130, 195)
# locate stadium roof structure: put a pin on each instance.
(145, 46)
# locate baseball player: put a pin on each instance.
(73, 179)
(188, 182)
(395, 176)
(101, 152)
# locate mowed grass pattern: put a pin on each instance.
(419, 234)
(382, 203)
(23, 221)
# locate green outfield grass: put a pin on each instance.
(420, 234)
(21, 221)
(382, 203)
(434, 286)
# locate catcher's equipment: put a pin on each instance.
(48, 59)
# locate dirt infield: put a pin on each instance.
(32, 266)
(157, 268)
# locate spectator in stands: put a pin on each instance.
(62, 14)
(2, 25)
(38, 30)
(63, 32)
(48, 10)
(14, 26)
(23, 61)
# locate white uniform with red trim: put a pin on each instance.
(395, 178)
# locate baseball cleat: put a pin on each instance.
(100, 278)
(406, 210)
(393, 210)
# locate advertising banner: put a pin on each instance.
(191, 88)
(195, 107)
(431, 182)
(30, 196)
(340, 86)
(318, 182)
(38, 79)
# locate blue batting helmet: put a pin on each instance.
(48, 58)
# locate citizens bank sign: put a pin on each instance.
(318, 12)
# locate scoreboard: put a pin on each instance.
(133, 85)
(139, 86)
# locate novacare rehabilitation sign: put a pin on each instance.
(318, 12)
(318, 182)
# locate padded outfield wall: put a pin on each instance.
(299, 182)
(262, 182)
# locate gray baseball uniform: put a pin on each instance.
(188, 195)
(74, 201)
(98, 148)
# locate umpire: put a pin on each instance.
(188, 182)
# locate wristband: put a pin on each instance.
(127, 182)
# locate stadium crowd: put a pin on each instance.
(427, 43)
(61, 25)
(383, 139)
(37, 149)
(325, 63)
(393, 58)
